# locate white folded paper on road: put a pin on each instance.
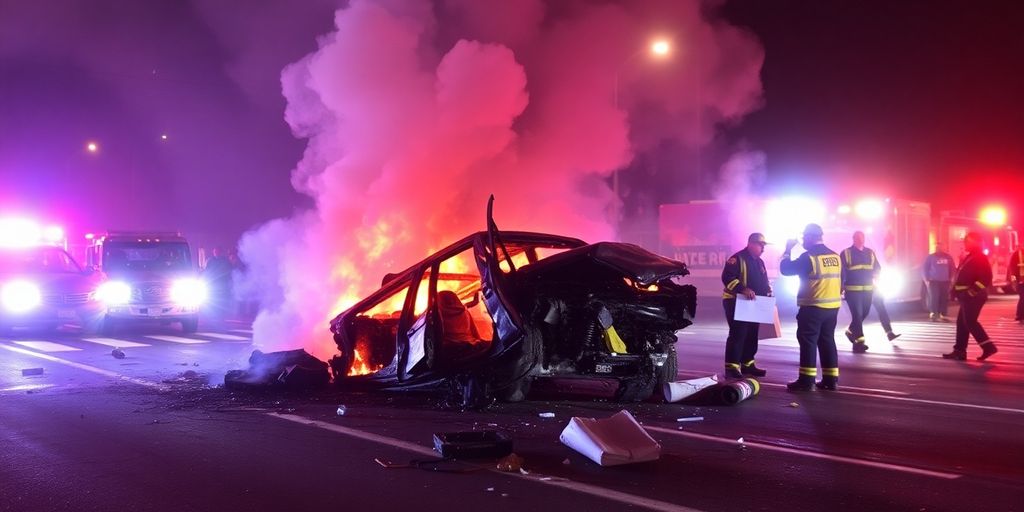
(611, 441)
(680, 390)
(759, 310)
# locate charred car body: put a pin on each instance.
(498, 312)
(42, 286)
(151, 278)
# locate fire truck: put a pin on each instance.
(999, 239)
(151, 275)
(902, 232)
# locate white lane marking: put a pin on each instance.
(763, 383)
(80, 366)
(27, 387)
(177, 339)
(116, 343)
(592, 490)
(219, 336)
(47, 346)
(939, 402)
(807, 453)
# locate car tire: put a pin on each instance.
(190, 325)
(670, 370)
(531, 353)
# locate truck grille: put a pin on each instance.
(150, 292)
(67, 299)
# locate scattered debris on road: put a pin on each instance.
(342, 410)
(511, 463)
(546, 415)
(692, 418)
(611, 441)
(28, 372)
(117, 353)
(291, 369)
(479, 444)
(793, 404)
(680, 390)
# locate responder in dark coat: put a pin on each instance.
(744, 276)
(938, 272)
(819, 299)
(860, 268)
(1015, 275)
(973, 278)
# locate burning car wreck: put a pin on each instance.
(496, 313)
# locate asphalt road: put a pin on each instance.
(153, 431)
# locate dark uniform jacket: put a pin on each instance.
(860, 268)
(820, 277)
(1015, 271)
(938, 266)
(974, 274)
(744, 270)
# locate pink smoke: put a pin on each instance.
(413, 119)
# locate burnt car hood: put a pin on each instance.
(632, 261)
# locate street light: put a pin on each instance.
(92, 147)
(659, 49)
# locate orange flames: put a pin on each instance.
(360, 363)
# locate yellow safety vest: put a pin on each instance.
(823, 286)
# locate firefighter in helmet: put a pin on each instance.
(744, 277)
(819, 298)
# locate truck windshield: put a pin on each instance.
(37, 260)
(146, 256)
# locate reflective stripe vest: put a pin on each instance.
(823, 286)
(730, 287)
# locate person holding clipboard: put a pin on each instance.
(744, 277)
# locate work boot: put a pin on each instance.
(828, 383)
(987, 350)
(892, 336)
(733, 373)
(753, 371)
(944, 318)
(850, 336)
(934, 317)
(802, 383)
(860, 347)
(956, 355)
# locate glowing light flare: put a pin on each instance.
(92, 147)
(993, 216)
(189, 292)
(844, 209)
(869, 209)
(785, 218)
(661, 48)
(19, 232)
(890, 282)
(114, 293)
(20, 296)
(53, 234)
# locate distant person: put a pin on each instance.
(1015, 275)
(973, 278)
(860, 268)
(744, 276)
(938, 273)
(218, 277)
(819, 298)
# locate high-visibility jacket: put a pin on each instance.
(974, 273)
(860, 268)
(820, 274)
(744, 270)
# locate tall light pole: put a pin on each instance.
(659, 49)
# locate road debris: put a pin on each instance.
(793, 404)
(290, 369)
(511, 463)
(342, 410)
(479, 444)
(28, 372)
(117, 353)
(611, 441)
(691, 418)
(680, 390)
(546, 415)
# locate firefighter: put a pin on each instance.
(973, 278)
(819, 298)
(860, 268)
(938, 272)
(1015, 275)
(883, 316)
(744, 276)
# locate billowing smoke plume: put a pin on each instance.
(416, 111)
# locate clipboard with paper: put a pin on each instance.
(761, 310)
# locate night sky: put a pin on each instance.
(911, 98)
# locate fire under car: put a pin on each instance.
(496, 313)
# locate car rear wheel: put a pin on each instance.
(669, 371)
(190, 325)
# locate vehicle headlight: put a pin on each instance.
(20, 296)
(114, 293)
(188, 292)
(791, 284)
(890, 282)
